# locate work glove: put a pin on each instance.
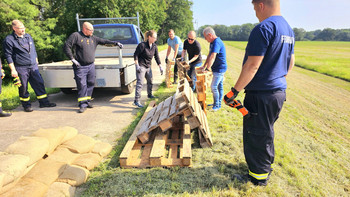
(229, 98)
(166, 60)
(17, 82)
(2, 73)
(182, 59)
(120, 45)
(75, 62)
(161, 70)
(138, 68)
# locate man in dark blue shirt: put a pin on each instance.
(2, 75)
(268, 59)
(20, 53)
(85, 44)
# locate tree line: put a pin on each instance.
(241, 33)
(50, 22)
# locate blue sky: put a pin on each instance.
(307, 14)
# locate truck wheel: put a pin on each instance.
(128, 88)
(67, 90)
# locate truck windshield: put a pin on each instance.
(113, 33)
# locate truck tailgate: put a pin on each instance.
(61, 75)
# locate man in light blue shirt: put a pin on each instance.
(175, 43)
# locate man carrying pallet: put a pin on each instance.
(193, 48)
(268, 59)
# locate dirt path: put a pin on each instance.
(112, 113)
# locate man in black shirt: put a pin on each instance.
(193, 48)
(20, 53)
(83, 64)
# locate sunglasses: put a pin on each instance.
(190, 39)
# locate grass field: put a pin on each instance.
(330, 58)
(312, 139)
(10, 99)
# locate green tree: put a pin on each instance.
(299, 34)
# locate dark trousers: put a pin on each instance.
(258, 132)
(176, 69)
(85, 79)
(31, 74)
(147, 73)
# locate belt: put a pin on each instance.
(263, 91)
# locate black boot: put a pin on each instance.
(4, 114)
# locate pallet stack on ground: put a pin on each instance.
(169, 74)
(163, 135)
(182, 70)
(203, 81)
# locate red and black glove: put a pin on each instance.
(229, 98)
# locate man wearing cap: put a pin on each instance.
(20, 53)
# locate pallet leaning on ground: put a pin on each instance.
(163, 135)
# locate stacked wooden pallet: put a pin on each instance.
(203, 81)
(162, 137)
(169, 74)
(182, 69)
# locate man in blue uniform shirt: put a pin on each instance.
(20, 53)
(268, 59)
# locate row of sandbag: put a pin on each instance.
(50, 162)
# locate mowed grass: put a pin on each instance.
(312, 142)
(330, 58)
(10, 99)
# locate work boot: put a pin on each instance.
(81, 109)
(138, 104)
(4, 114)
(150, 96)
(47, 105)
(90, 105)
(28, 109)
(240, 178)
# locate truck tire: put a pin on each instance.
(128, 88)
(67, 90)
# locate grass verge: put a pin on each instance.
(312, 144)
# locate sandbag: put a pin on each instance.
(70, 133)
(46, 171)
(33, 147)
(55, 137)
(80, 144)
(88, 160)
(64, 155)
(59, 189)
(13, 167)
(27, 188)
(74, 175)
(102, 148)
(2, 177)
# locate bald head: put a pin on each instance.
(192, 34)
(88, 29)
(18, 28)
(266, 8)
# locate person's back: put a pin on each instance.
(277, 55)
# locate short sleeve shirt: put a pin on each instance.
(218, 47)
(273, 38)
(173, 42)
(192, 50)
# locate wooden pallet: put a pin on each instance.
(191, 109)
(182, 69)
(169, 74)
(172, 148)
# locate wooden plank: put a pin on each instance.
(133, 138)
(165, 110)
(186, 147)
(156, 115)
(158, 149)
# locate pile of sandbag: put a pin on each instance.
(50, 162)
